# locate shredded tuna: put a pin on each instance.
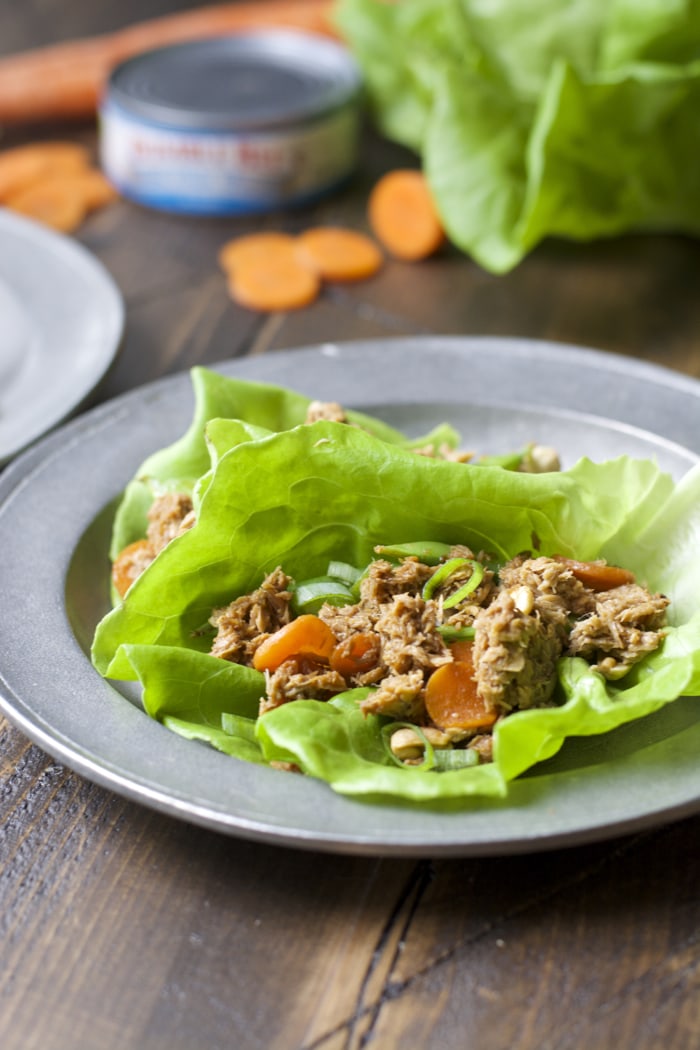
(625, 626)
(384, 580)
(301, 679)
(168, 516)
(400, 696)
(515, 655)
(330, 410)
(409, 640)
(244, 624)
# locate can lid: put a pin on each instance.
(244, 82)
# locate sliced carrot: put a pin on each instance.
(356, 655)
(24, 165)
(95, 189)
(52, 203)
(129, 564)
(255, 247)
(338, 254)
(65, 80)
(462, 650)
(278, 282)
(305, 636)
(452, 700)
(403, 217)
(597, 575)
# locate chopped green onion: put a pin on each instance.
(237, 725)
(428, 551)
(388, 731)
(448, 569)
(469, 587)
(455, 758)
(456, 634)
(343, 571)
(310, 595)
(508, 461)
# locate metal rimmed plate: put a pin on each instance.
(61, 321)
(55, 518)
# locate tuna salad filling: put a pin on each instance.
(449, 641)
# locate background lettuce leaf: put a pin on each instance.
(576, 120)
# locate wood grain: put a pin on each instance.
(123, 929)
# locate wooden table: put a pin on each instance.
(122, 928)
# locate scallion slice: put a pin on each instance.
(456, 634)
(455, 758)
(443, 574)
(430, 552)
(429, 752)
(343, 571)
(310, 595)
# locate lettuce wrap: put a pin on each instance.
(234, 410)
(302, 496)
(572, 119)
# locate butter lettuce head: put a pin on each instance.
(302, 496)
(573, 119)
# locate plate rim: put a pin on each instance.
(19, 474)
(57, 246)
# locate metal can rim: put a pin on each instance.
(340, 86)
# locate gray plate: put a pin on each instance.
(61, 320)
(55, 513)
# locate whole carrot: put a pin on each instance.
(64, 81)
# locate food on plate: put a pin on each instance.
(449, 641)
(400, 626)
(403, 217)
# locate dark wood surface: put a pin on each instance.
(121, 928)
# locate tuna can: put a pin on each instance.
(239, 124)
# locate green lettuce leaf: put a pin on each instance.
(299, 497)
(576, 120)
(226, 412)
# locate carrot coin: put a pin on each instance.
(95, 189)
(24, 165)
(338, 254)
(598, 575)
(279, 282)
(452, 699)
(254, 247)
(51, 203)
(403, 217)
(305, 636)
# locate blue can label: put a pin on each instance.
(217, 172)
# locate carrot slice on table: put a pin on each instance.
(65, 80)
(452, 700)
(95, 189)
(278, 282)
(403, 217)
(51, 203)
(24, 165)
(255, 247)
(305, 636)
(597, 575)
(338, 254)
